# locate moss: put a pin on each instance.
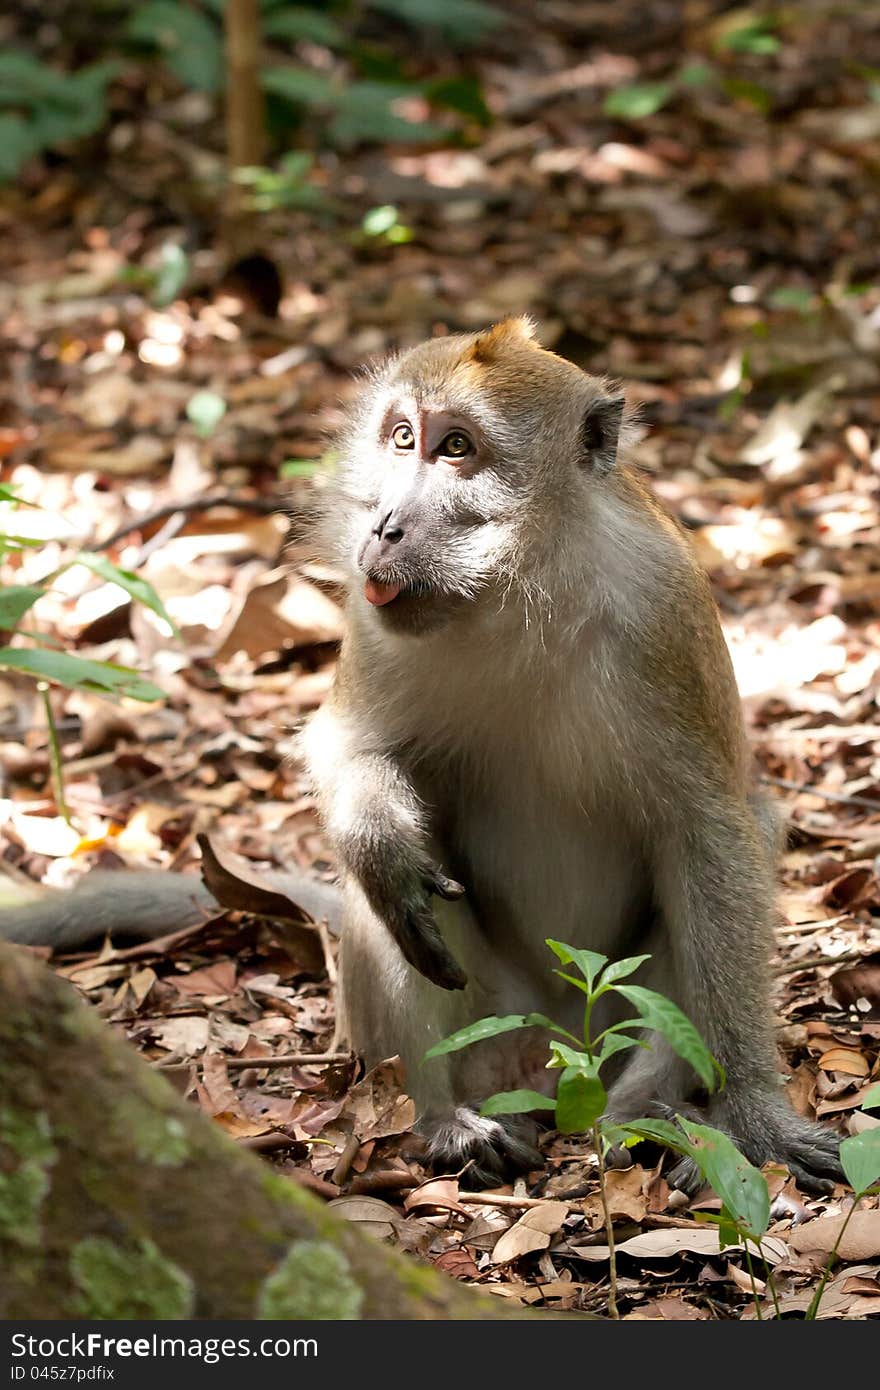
(156, 1138)
(24, 1187)
(138, 1282)
(314, 1281)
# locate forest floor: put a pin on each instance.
(719, 256)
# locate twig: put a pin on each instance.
(289, 1059)
(56, 761)
(613, 1309)
(811, 962)
(826, 733)
(262, 506)
(386, 1180)
(346, 1159)
(820, 791)
(327, 948)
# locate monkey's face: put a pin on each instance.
(466, 454)
(437, 531)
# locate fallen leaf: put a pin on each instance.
(844, 1059)
(663, 1243)
(532, 1231)
(374, 1215)
(861, 1241)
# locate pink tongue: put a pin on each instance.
(378, 594)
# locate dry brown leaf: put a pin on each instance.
(374, 1215)
(140, 982)
(378, 1106)
(624, 1190)
(663, 1243)
(240, 1126)
(861, 1240)
(671, 1309)
(844, 1059)
(216, 980)
(282, 611)
(458, 1263)
(532, 1231)
(437, 1192)
(185, 1036)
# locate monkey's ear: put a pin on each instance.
(600, 431)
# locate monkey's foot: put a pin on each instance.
(766, 1129)
(491, 1150)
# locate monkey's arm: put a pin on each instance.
(142, 904)
(376, 823)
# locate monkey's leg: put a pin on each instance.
(387, 1008)
(712, 884)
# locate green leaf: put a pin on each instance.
(580, 1100)
(613, 1043)
(871, 1099)
(658, 1132)
(302, 85)
(459, 21)
(205, 409)
(619, 969)
(15, 602)
(461, 94)
(741, 89)
(140, 589)
(638, 100)
(380, 219)
(297, 23)
(75, 673)
(478, 1032)
(660, 1014)
(170, 275)
(18, 144)
(589, 963)
(189, 41)
(8, 542)
(515, 1103)
(563, 1056)
(860, 1156)
(697, 74)
(364, 113)
(796, 297)
(742, 1187)
(754, 37)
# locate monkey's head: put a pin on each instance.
(469, 461)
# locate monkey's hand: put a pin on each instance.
(399, 886)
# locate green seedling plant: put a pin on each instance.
(860, 1159)
(36, 654)
(581, 1101)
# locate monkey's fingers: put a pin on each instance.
(424, 948)
(438, 883)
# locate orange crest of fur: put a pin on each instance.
(512, 332)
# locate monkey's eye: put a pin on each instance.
(455, 445)
(402, 437)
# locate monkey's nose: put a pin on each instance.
(388, 528)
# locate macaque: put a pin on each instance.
(535, 731)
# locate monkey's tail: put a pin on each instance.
(142, 904)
